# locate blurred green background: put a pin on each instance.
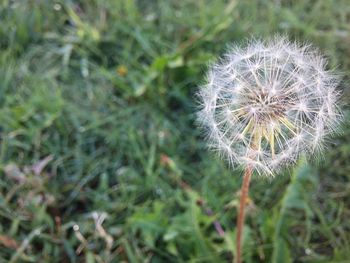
(100, 159)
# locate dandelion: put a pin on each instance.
(265, 104)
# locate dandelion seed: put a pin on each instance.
(267, 103)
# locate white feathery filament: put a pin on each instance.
(266, 103)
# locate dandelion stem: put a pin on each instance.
(242, 204)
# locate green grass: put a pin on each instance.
(103, 92)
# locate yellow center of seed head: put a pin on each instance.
(266, 119)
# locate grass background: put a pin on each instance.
(100, 159)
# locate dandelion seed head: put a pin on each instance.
(268, 102)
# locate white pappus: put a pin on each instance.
(266, 103)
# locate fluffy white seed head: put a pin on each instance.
(267, 102)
